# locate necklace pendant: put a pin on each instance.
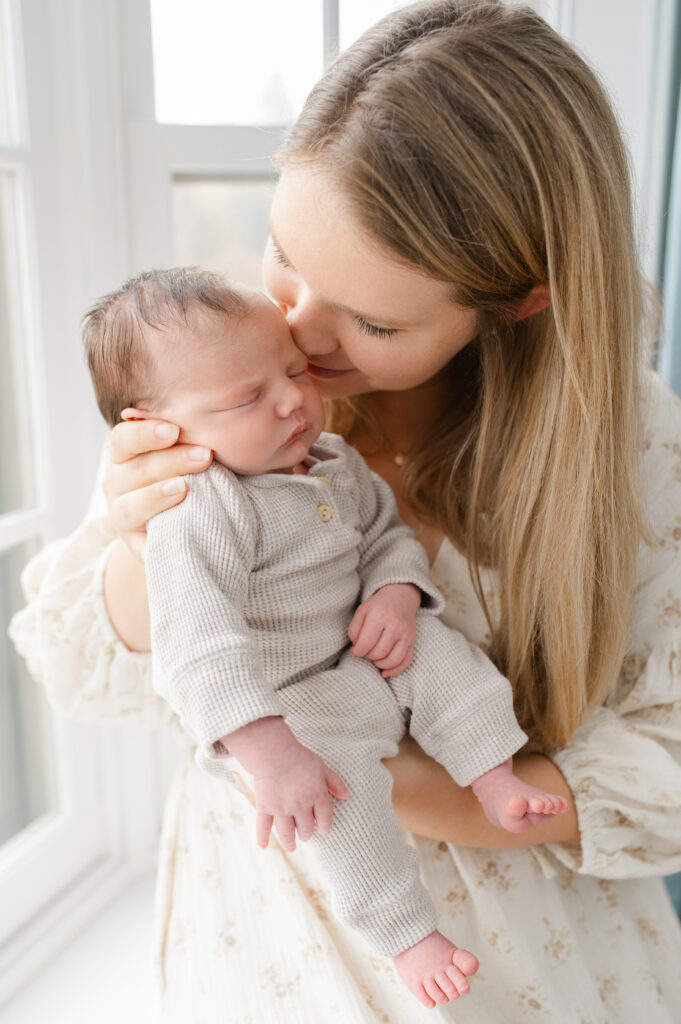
(399, 458)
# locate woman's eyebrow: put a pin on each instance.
(386, 322)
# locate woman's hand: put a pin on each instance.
(145, 475)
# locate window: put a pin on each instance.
(63, 845)
(26, 791)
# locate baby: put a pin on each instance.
(285, 547)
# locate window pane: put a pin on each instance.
(7, 87)
(355, 16)
(234, 63)
(222, 225)
(16, 477)
(25, 741)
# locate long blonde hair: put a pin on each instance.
(473, 143)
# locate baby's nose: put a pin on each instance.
(291, 399)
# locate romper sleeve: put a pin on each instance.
(65, 635)
(624, 763)
(388, 549)
(208, 666)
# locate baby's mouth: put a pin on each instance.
(300, 429)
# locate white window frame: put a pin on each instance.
(60, 870)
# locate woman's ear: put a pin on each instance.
(537, 298)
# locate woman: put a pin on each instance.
(452, 244)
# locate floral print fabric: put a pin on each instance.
(566, 934)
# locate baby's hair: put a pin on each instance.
(118, 356)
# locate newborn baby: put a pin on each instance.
(283, 551)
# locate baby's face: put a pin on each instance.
(241, 388)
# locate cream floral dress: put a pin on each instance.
(564, 934)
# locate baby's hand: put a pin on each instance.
(293, 787)
(383, 629)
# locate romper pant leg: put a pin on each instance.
(350, 719)
(461, 706)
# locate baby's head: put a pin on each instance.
(218, 359)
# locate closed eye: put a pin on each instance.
(377, 332)
(249, 400)
(279, 256)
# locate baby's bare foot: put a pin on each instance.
(435, 970)
(513, 804)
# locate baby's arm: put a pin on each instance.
(293, 787)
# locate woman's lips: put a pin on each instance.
(322, 373)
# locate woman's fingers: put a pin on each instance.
(133, 437)
(130, 512)
(151, 467)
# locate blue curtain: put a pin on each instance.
(669, 363)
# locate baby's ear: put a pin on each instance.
(137, 414)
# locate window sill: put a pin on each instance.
(103, 975)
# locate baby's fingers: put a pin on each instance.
(305, 825)
(286, 830)
(263, 828)
(367, 638)
(397, 661)
(356, 623)
(323, 814)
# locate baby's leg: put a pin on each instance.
(462, 715)
(351, 720)
(513, 804)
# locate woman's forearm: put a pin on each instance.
(125, 596)
(429, 803)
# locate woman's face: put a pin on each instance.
(365, 321)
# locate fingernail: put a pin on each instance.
(199, 454)
(174, 486)
(167, 431)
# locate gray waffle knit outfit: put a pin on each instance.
(252, 583)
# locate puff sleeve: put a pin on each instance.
(624, 763)
(66, 637)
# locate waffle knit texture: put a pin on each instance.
(252, 583)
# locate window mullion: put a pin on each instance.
(331, 30)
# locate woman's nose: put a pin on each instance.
(309, 324)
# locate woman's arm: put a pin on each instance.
(125, 597)
(428, 802)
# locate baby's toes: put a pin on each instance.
(536, 819)
(541, 804)
(459, 980)
(449, 986)
(434, 991)
(423, 996)
(465, 962)
(516, 807)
